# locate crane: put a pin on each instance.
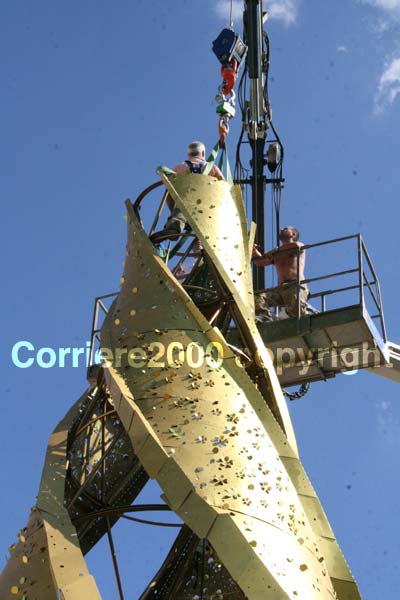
(187, 394)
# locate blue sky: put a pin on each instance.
(95, 95)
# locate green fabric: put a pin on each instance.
(212, 158)
(229, 177)
(166, 170)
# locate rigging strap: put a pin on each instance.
(213, 157)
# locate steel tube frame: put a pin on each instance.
(94, 470)
(110, 511)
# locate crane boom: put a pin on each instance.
(257, 120)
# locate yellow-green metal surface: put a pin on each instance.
(206, 434)
(192, 569)
(221, 446)
(215, 211)
(47, 562)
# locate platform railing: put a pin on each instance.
(100, 311)
(366, 283)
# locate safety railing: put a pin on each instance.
(356, 285)
(100, 310)
(336, 288)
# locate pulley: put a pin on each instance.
(227, 46)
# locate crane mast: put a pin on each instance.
(257, 120)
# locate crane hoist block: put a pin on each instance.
(229, 45)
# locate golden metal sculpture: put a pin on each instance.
(48, 558)
(214, 433)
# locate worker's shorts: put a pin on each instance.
(282, 295)
(176, 222)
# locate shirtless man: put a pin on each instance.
(284, 258)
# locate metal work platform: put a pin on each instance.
(338, 336)
(319, 346)
(347, 330)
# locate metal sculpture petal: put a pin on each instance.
(47, 563)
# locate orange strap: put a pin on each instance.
(229, 75)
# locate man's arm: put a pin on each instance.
(287, 249)
(290, 246)
(262, 260)
(216, 172)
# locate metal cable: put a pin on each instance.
(302, 391)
